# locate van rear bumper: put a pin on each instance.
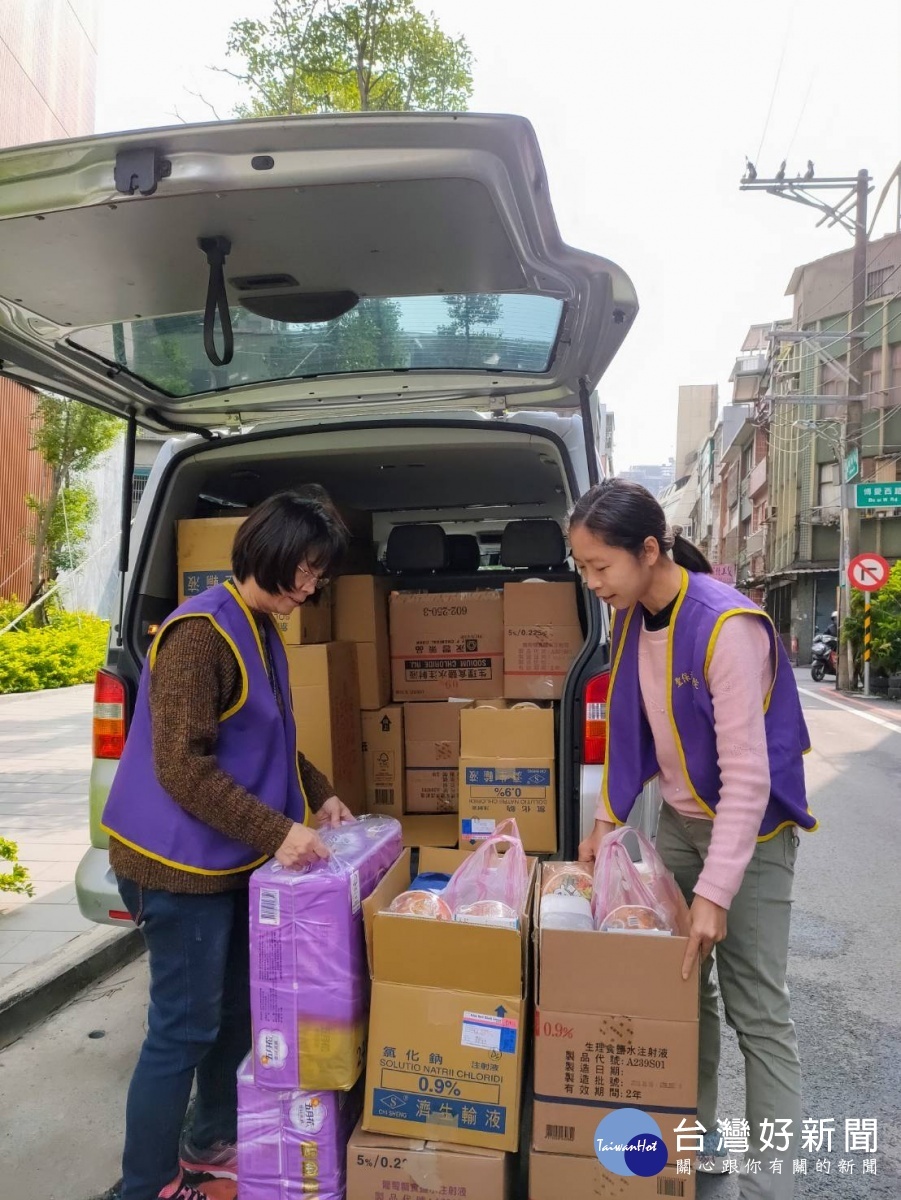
(96, 889)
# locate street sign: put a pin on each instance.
(868, 572)
(725, 573)
(852, 464)
(878, 495)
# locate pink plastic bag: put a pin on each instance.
(636, 896)
(498, 870)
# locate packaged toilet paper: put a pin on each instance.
(309, 980)
(292, 1144)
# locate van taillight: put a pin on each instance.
(109, 715)
(594, 748)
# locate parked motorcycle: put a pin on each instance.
(823, 656)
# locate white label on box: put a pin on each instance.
(478, 827)
(355, 891)
(486, 1031)
(270, 906)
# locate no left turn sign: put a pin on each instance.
(868, 572)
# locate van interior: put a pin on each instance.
(454, 507)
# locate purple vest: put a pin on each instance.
(256, 745)
(702, 606)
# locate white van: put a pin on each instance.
(378, 303)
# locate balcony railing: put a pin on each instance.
(750, 364)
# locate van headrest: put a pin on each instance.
(532, 544)
(416, 548)
(463, 552)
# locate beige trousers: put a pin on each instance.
(750, 967)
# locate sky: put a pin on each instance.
(645, 112)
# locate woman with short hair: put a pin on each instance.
(210, 785)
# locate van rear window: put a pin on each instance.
(513, 333)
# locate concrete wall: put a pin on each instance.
(698, 407)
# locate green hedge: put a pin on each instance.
(67, 651)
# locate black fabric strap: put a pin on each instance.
(217, 249)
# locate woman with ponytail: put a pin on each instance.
(702, 696)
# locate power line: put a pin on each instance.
(769, 113)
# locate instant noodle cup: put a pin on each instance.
(568, 879)
(421, 904)
(632, 918)
(487, 912)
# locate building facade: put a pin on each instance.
(48, 58)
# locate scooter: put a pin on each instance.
(823, 656)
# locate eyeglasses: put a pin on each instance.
(318, 581)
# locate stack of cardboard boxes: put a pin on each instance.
(616, 1027)
(422, 706)
(448, 1035)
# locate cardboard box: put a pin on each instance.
(361, 616)
(432, 742)
(615, 1025)
(446, 644)
(392, 1168)
(507, 769)
(559, 1126)
(326, 701)
(448, 1025)
(204, 553)
(430, 829)
(383, 760)
(561, 1177)
(542, 636)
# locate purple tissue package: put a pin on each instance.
(293, 1144)
(309, 979)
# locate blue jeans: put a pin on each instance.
(198, 1024)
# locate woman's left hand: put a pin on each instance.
(708, 927)
(333, 813)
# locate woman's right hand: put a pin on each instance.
(588, 850)
(301, 847)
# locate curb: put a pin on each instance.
(37, 990)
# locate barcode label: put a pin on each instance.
(384, 795)
(560, 1133)
(670, 1187)
(270, 907)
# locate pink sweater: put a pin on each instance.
(739, 677)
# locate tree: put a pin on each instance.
(315, 56)
(70, 436)
(471, 321)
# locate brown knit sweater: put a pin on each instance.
(195, 679)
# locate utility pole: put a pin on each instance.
(851, 213)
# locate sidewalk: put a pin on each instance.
(45, 758)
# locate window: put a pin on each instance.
(485, 333)
(872, 372)
(747, 461)
(138, 483)
(828, 491)
(882, 282)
